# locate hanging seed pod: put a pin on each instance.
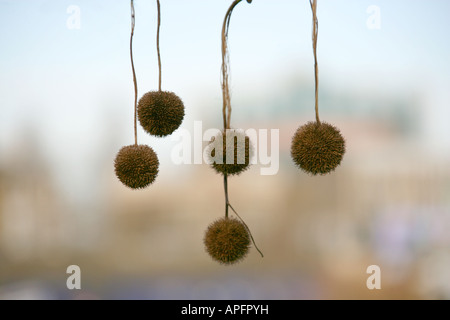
(317, 148)
(227, 240)
(136, 166)
(160, 112)
(230, 152)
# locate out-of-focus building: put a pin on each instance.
(387, 204)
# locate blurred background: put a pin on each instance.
(66, 108)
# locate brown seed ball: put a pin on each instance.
(136, 166)
(160, 112)
(230, 161)
(317, 148)
(227, 240)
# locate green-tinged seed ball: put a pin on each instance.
(136, 166)
(317, 148)
(227, 241)
(160, 112)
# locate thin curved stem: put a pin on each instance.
(226, 107)
(315, 24)
(134, 72)
(248, 229)
(228, 205)
(157, 41)
(225, 187)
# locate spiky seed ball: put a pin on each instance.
(227, 240)
(317, 148)
(227, 152)
(160, 112)
(136, 166)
